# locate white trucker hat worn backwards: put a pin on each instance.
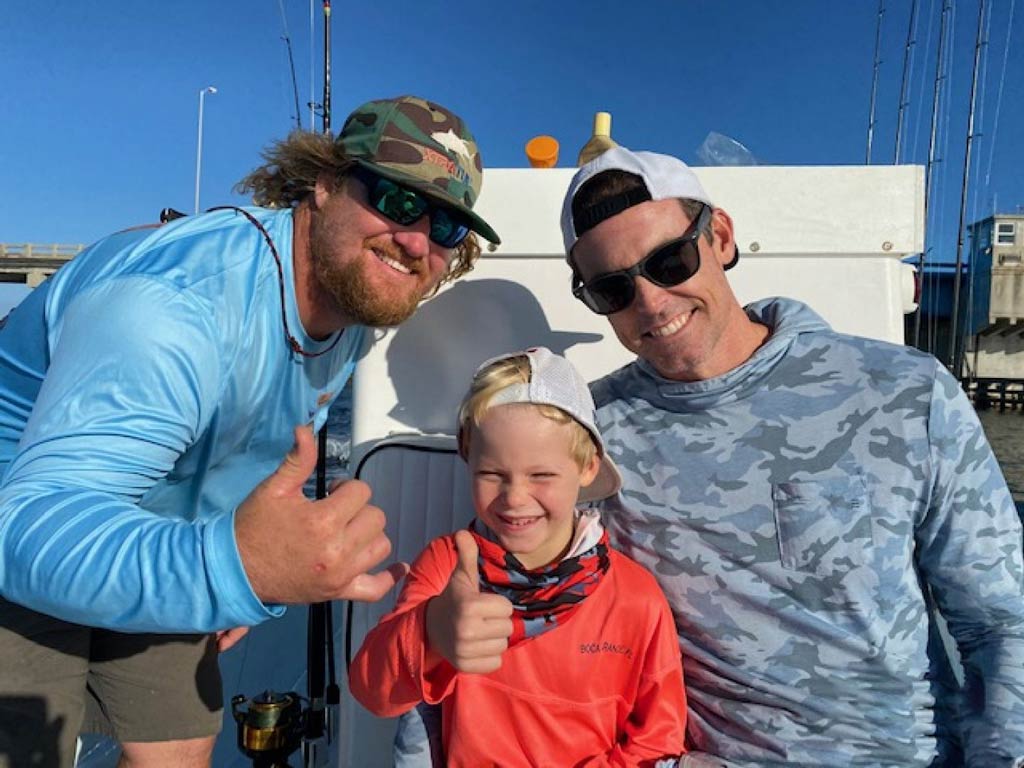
(664, 176)
(555, 381)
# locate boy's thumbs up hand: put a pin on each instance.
(467, 571)
(468, 628)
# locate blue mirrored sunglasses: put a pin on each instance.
(406, 206)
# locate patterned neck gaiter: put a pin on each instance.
(546, 597)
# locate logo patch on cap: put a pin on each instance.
(453, 143)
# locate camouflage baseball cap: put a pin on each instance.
(422, 145)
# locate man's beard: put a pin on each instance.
(347, 286)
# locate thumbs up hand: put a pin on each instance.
(295, 550)
(467, 573)
(468, 628)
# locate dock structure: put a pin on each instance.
(31, 263)
(1001, 393)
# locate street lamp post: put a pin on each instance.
(199, 141)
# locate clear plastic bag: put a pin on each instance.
(718, 149)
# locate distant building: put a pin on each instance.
(990, 323)
(997, 250)
(1001, 241)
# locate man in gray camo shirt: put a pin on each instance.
(807, 500)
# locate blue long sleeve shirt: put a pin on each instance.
(803, 513)
(145, 389)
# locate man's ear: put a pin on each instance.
(323, 189)
(723, 242)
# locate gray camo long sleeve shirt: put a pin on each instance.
(802, 513)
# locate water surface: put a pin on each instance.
(1005, 431)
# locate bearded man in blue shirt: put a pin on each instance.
(148, 392)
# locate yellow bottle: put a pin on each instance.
(600, 141)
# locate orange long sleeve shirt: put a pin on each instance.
(604, 689)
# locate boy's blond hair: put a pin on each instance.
(505, 373)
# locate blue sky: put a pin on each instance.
(100, 100)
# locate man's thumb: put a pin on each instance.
(468, 552)
(299, 462)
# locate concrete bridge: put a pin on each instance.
(31, 263)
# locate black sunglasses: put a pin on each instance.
(666, 266)
(406, 206)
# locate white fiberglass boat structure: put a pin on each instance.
(833, 237)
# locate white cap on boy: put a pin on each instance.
(555, 381)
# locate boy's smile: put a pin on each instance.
(525, 481)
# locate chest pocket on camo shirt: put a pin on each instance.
(824, 525)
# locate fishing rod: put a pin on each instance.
(944, 142)
(972, 262)
(327, 67)
(313, 106)
(323, 108)
(999, 98)
(273, 725)
(900, 113)
(956, 349)
(907, 50)
(322, 684)
(291, 63)
(928, 175)
(874, 79)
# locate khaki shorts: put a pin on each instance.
(59, 679)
